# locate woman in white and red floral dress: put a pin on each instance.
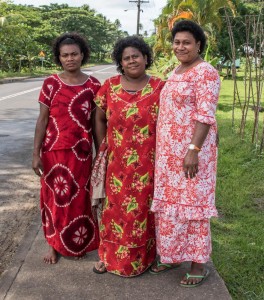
(63, 152)
(186, 158)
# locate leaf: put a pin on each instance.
(132, 205)
(144, 178)
(147, 90)
(131, 111)
(117, 88)
(118, 135)
(135, 265)
(117, 182)
(118, 228)
(132, 158)
(121, 249)
(106, 203)
(145, 130)
(143, 225)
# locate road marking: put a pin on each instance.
(20, 93)
(101, 71)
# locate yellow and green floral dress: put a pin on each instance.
(127, 230)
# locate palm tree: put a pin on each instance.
(205, 12)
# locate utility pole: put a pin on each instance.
(139, 2)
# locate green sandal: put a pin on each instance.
(160, 264)
(195, 276)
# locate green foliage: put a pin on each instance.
(27, 30)
(238, 239)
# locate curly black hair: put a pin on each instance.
(71, 38)
(193, 28)
(135, 42)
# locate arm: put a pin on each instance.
(100, 125)
(40, 131)
(190, 163)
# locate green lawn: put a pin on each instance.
(238, 234)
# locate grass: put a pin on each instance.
(238, 234)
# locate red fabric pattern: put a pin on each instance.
(127, 233)
(68, 223)
(185, 99)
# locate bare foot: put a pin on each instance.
(99, 267)
(197, 274)
(51, 257)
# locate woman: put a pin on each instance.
(185, 171)
(62, 152)
(126, 113)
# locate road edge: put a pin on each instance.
(9, 275)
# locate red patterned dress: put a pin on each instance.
(183, 207)
(127, 232)
(67, 220)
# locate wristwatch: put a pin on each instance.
(193, 147)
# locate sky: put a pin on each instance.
(124, 10)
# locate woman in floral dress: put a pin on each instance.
(127, 107)
(62, 154)
(185, 173)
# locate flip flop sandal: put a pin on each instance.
(203, 277)
(102, 266)
(160, 264)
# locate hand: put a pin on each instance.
(37, 165)
(190, 164)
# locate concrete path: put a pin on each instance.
(30, 279)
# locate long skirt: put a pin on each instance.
(68, 224)
(182, 240)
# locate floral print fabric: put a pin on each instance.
(185, 99)
(67, 220)
(127, 233)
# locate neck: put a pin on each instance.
(189, 63)
(137, 79)
(74, 74)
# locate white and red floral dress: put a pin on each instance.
(67, 220)
(183, 206)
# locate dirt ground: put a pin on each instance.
(19, 200)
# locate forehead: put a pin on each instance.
(184, 35)
(69, 48)
(130, 51)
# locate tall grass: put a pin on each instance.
(238, 234)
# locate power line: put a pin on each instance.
(139, 2)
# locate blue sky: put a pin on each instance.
(115, 9)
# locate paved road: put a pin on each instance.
(19, 188)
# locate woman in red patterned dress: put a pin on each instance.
(185, 171)
(127, 107)
(62, 155)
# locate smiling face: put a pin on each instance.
(71, 57)
(185, 47)
(133, 62)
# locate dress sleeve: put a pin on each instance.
(101, 96)
(45, 95)
(207, 94)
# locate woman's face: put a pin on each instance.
(185, 47)
(133, 62)
(71, 57)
